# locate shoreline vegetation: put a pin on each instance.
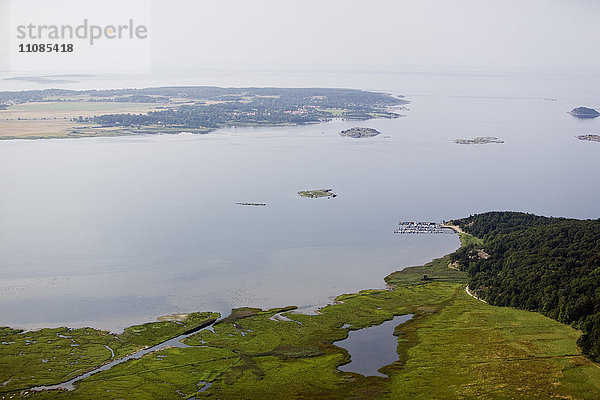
(454, 346)
(543, 264)
(58, 113)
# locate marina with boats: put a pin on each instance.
(414, 227)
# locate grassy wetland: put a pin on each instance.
(51, 356)
(454, 347)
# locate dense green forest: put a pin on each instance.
(549, 265)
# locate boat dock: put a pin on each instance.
(414, 227)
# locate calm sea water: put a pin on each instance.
(107, 232)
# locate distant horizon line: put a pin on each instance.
(324, 69)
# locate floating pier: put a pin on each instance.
(414, 227)
(252, 204)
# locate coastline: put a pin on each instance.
(253, 342)
(176, 323)
(59, 113)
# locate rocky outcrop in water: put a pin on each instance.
(589, 138)
(584, 112)
(479, 140)
(358, 132)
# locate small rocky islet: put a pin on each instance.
(584, 112)
(589, 138)
(358, 132)
(315, 194)
(479, 140)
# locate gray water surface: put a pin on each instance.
(110, 232)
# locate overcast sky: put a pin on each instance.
(382, 34)
(373, 35)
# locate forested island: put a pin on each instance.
(196, 109)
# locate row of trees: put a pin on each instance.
(322, 97)
(549, 265)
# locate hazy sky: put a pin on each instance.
(376, 33)
(321, 35)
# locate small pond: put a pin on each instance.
(372, 348)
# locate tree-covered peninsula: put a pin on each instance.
(548, 265)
